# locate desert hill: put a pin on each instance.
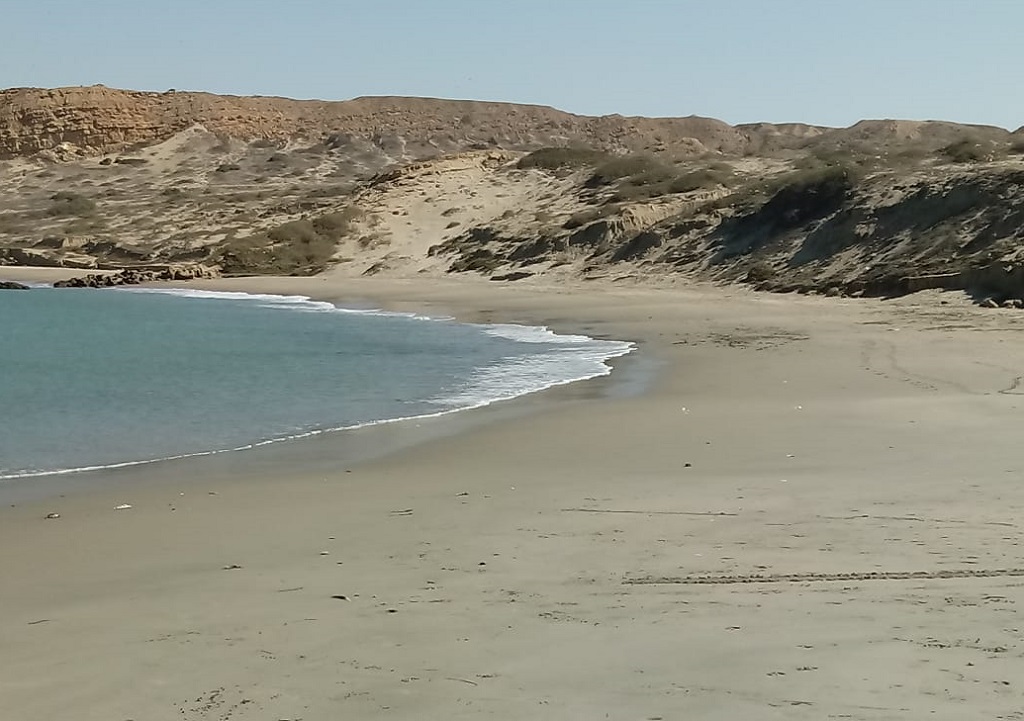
(97, 177)
(86, 121)
(69, 122)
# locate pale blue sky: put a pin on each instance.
(815, 61)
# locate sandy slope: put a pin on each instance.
(491, 572)
(404, 219)
(430, 202)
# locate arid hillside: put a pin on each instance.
(86, 121)
(70, 122)
(95, 177)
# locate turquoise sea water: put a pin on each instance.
(97, 378)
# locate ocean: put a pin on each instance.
(94, 379)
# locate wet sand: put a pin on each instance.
(779, 507)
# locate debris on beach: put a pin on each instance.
(122, 507)
(52, 516)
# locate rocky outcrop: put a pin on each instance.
(95, 120)
(44, 258)
(135, 276)
(76, 121)
(11, 285)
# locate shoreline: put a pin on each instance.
(576, 553)
(41, 485)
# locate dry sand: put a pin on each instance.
(702, 545)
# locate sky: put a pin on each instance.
(823, 62)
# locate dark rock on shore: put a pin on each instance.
(11, 285)
(135, 276)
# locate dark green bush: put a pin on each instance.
(335, 225)
(260, 255)
(805, 195)
(629, 166)
(298, 247)
(562, 158)
(830, 177)
(701, 179)
(655, 175)
(966, 150)
(664, 180)
(760, 272)
(294, 231)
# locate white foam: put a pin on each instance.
(272, 300)
(533, 334)
(267, 300)
(520, 375)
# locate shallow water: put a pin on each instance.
(105, 378)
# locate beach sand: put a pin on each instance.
(776, 508)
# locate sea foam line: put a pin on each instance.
(273, 300)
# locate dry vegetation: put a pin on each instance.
(297, 247)
(785, 208)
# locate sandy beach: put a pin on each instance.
(778, 507)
